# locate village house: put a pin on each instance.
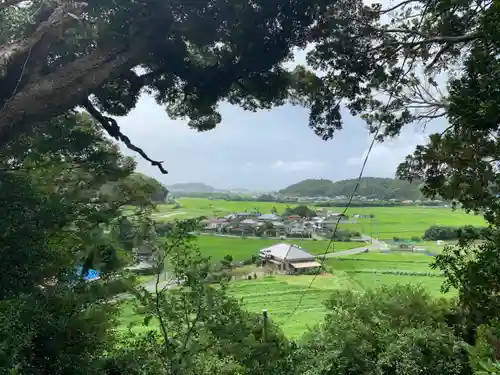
(239, 216)
(249, 223)
(336, 215)
(275, 228)
(363, 216)
(301, 228)
(144, 253)
(325, 224)
(289, 258)
(268, 217)
(213, 225)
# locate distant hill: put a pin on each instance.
(192, 187)
(370, 187)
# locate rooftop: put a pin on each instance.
(287, 251)
(249, 222)
(272, 217)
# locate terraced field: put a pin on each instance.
(280, 295)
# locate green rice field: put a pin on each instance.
(243, 248)
(280, 294)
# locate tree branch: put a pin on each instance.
(34, 102)
(12, 169)
(111, 126)
(447, 129)
(436, 58)
(401, 31)
(60, 20)
(402, 4)
(442, 39)
(8, 3)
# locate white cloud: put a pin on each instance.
(296, 166)
(385, 157)
(249, 164)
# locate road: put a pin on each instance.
(164, 216)
(150, 286)
(371, 245)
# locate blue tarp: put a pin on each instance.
(90, 275)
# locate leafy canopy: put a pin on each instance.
(101, 55)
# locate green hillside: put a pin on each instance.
(196, 187)
(384, 188)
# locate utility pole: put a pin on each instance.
(371, 230)
(264, 317)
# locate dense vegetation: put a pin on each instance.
(70, 201)
(436, 232)
(302, 211)
(369, 187)
(158, 193)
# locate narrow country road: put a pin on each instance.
(371, 245)
(150, 286)
(164, 216)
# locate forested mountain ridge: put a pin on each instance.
(196, 187)
(371, 187)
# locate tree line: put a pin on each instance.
(468, 232)
(377, 203)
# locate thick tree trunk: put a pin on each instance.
(61, 18)
(55, 93)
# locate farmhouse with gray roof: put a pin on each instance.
(289, 258)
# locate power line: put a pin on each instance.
(400, 77)
(338, 221)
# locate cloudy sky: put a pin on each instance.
(266, 150)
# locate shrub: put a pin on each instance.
(436, 232)
(398, 331)
(247, 262)
(216, 277)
